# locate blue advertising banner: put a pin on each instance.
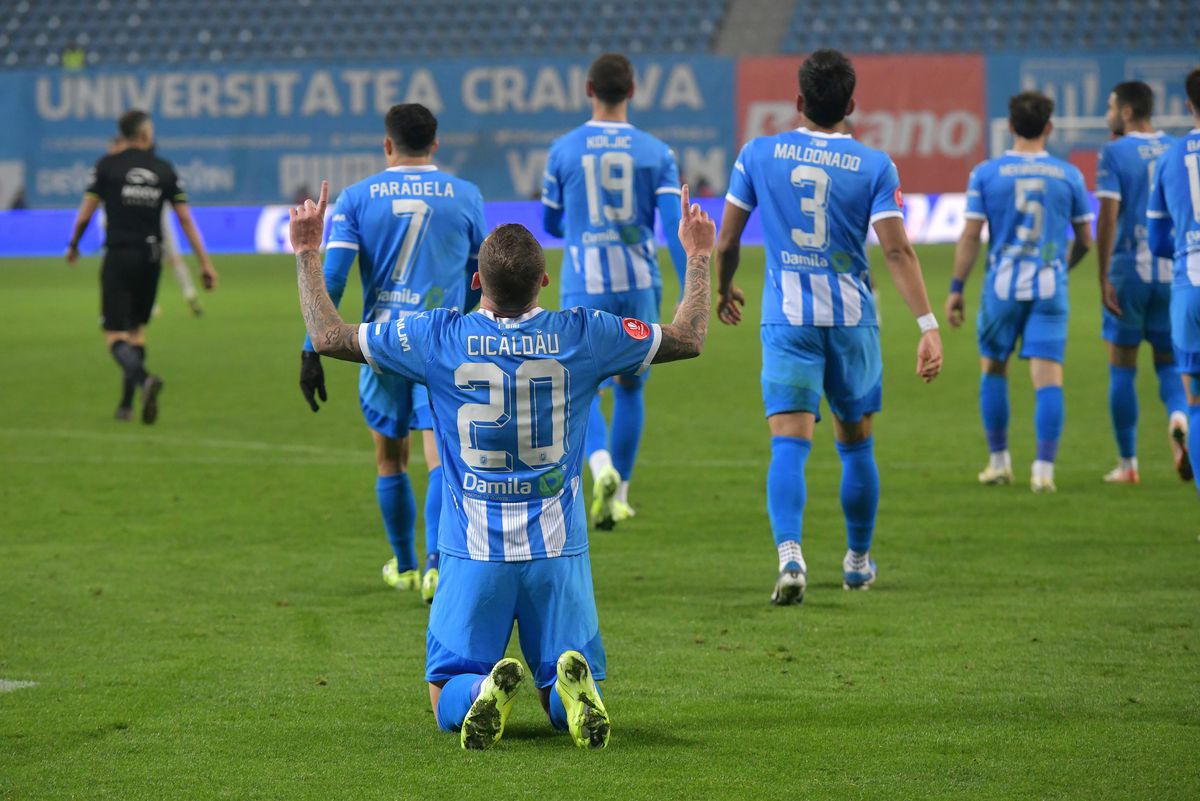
(264, 229)
(1079, 85)
(256, 135)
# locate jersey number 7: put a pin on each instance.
(418, 214)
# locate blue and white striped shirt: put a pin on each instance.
(510, 400)
(818, 194)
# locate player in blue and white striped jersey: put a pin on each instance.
(510, 388)
(1029, 201)
(604, 181)
(1175, 204)
(818, 192)
(1135, 285)
(415, 231)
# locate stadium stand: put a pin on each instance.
(898, 26)
(79, 33)
(74, 33)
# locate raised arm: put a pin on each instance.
(668, 213)
(684, 337)
(207, 273)
(329, 334)
(729, 250)
(905, 268)
(86, 209)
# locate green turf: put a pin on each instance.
(201, 607)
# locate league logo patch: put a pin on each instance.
(899, 198)
(635, 328)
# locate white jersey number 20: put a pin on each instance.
(540, 411)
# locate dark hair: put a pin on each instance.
(130, 123)
(1029, 113)
(1193, 89)
(412, 128)
(511, 266)
(611, 76)
(827, 81)
(1138, 96)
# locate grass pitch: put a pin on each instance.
(200, 602)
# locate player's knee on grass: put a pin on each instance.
(852, 432)
(391, 454)
(793, 424)
(1045, 373)
(993, 366)
(1124, 355)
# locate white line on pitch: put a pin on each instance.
(7, 686)
(187, 442)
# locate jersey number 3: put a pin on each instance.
(540, 412)
(812, 179)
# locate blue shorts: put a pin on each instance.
(641, 304)
(386, 401)
(1041, 326)
(476, 604)
(1145, 314)
(1185, 328)
(800, 363)
(422, 418)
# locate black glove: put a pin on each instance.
(312, 378)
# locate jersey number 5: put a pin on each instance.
(1030, 193)
(540, 412)
(417, 212)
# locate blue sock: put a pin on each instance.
(1123, 405)
(786, 491)
(596, 438)
(629, 414)
(993, 405)
(1194, 435)
(558, 712)
(1048, 421)
(433, 515)
(399, 509)
(457, 696)
(1170, 388)
(860, 492)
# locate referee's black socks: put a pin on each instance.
(131, 358)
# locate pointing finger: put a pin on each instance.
(324, 198)
(685, 198)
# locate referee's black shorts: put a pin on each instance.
(128, 286)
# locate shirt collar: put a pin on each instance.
(1145, 134)
(1037, 155)
(607, 124)
(823, 134)
(529, 315)
(413, 168)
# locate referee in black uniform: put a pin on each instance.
(133, 184)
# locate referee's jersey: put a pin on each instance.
(133, 185)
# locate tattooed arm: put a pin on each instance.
(329, 334)
(684, 337)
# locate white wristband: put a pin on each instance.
(927, 322)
